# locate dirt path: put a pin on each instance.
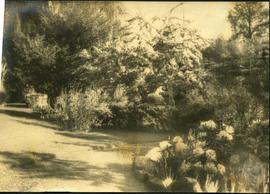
(36, 157)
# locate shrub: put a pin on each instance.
(82, 110)
(37, 101)
(186, 159)
(256, 139)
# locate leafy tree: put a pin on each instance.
(222, 59)
(156, 67)
(45, 59)
(249, 19)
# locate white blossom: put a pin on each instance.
(229, 129)
(154, 154)
(223, 134)
(167, 182)
(208, 124)
(198, 151)
(177, 139)
(164, 145)
(221, 169)
(210, 154)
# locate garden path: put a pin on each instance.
(36, 156)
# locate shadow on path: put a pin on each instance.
(90, 136)
(21, 114)
(46, 165)
(39, 124)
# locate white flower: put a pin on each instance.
(224, 135)
(208, 124)
(256, 121)
(164, 145)
(229, 129)
(198, 151)
(210, 154)
(167, 182)
(180, 147)
(154, 154)
(230, 137)
(177, 139)
(198, 164)
(211, 167)
(221, 169)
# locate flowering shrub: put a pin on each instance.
(186, 158)
(204, 159)
(81, 110)
(220, 137)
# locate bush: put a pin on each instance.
(206, 159)
(82, 110)
(186, 159)
(256, 139)
(37, 101)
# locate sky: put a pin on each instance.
(209, 18)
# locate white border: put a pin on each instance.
(2, 8)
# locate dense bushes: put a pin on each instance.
(151, 71)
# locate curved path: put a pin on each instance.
(35, 156)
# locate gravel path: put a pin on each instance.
(35, 156)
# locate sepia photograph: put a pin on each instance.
(134, 96)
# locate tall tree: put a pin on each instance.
(249, 19)
(47, 40)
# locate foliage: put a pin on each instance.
(155, 79)
(152, 70)
(37, 53)
(81, 110)
(256, 138)
(249, 19)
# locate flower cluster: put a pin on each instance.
(192, 156)
(164, 145)
(208, 125)
(226, 133)
(198, 151)
(210, 155)
(167, 182)
(221, 169)
(179, 145)
(154, 154)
